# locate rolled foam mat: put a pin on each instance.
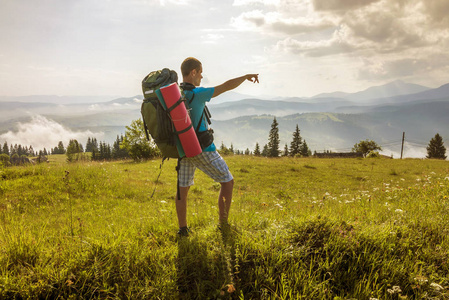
(181, 120)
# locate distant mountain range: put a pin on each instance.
(333, 121)
(395, 88)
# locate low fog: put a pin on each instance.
(409, 151)
(42, 133)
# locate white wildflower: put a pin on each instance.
(436, 286)
(395, 290)
(399, 211)
(163, 201)
(421, 279)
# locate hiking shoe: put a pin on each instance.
(184, 231)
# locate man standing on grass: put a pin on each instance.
(209, 161)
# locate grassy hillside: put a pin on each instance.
(300, 229)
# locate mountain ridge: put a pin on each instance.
(326, 123)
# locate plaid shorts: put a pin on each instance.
(210, 163)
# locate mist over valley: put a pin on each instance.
(333, 121)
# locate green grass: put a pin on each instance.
(301, 229)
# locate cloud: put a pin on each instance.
(175, 2)
(252, 2)
(276, 22)
(338, 44)
(438, 11)
(341, 5)
(211, 38)
(402, 67)
(408, 152)
(42, 133)
(378, 26)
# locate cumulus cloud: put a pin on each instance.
(42, 133)
(379, 26)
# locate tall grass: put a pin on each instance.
(300, 229)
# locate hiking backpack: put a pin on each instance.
(156, 119)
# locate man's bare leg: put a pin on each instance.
(181, 206)
(224, 200)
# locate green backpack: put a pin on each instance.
(155, 118)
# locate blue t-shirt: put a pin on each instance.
(200, 97)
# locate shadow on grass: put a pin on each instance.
(204, 268)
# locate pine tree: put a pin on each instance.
(89, 145)
(73, 150)
(265, 150)
(61, 149)
(295, 145)
(116, 148)
(304, 149)
(273, 140)
(257, 150)
(285, 153)
(5, 148)
(436, 148)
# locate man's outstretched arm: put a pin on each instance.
(233, 83)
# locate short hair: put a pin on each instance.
(189, 64)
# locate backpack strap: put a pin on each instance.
(180, 100)
(145, 124)
(178, 167)
(157, 179)
(206, 113)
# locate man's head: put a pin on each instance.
(192, 70)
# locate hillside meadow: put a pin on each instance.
(303, 228)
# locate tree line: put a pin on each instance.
(139, 147)
(18, 154)
(99, 151)
(134, 145)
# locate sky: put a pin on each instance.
(298, 47)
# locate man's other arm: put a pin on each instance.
(233, 83)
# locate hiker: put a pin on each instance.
(209, 161)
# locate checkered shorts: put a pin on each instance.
(210, 163)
